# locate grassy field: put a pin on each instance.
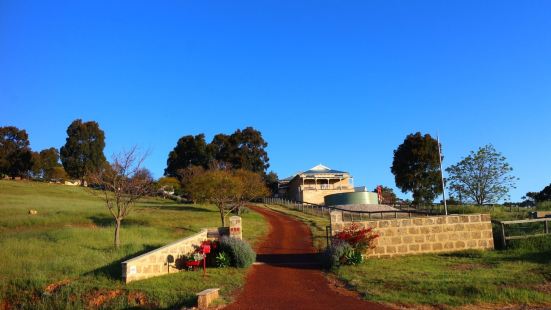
(69, 244)
(520, 275)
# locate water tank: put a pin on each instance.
(353, 198)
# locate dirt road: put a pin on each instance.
(288, 275)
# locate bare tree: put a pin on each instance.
(121, 184)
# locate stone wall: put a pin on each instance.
(425, 234)
(171, 257)
(161, 261)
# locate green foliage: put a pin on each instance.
(482, 177)
(83, 149)
(46, 164)
(15, 154)
(244, 149)
(341, 253)
(223, 260)
(416, 167)
(241, 253)
(544, 206)
(189, 151)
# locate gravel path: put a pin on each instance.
(287, 275)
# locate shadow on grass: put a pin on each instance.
(101, 220)
(113, 270)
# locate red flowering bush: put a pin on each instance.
(360, 239)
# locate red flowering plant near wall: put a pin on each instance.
(359, 238)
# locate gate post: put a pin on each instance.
(235, 227)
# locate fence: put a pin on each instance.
(528, 228)
(350, 215)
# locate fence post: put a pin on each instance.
(503, 241)
(546, 227)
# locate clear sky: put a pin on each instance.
(333, 82)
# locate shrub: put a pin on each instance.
(223, 260)
(240, 252)
(342, 253)
(360, 239)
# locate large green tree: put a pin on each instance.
(83, 150)
(189, 151)
(15, 153)
(416, 167)
(482, 177)
(243, 149)
(45, 163)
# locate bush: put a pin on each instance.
(360, 239)
(240, 252)
(223, 260)
(342, 253)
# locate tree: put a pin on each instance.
(248, 151)
(389, 197)
(15, 153)
(82, 153)
(252, 187)
(543, 195)
(416, 167)
(121, 184)
(483, 176)
(45, 162)
(168, 184)
(189, 151)
(272, 182)
(219, 187)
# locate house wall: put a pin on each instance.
(295, 193)
(425, 234)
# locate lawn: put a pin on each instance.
(69, 242)
(520, 275)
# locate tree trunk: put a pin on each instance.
(222, 217)
(117, 233)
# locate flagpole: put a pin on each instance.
(442, 175)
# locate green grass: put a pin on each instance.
(72, 236)
(520, 275)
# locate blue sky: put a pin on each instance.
(333, 82)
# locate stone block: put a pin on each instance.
(448, 245)
(448, 228)
(485, 218)
(206, 297)
(380, 250)
(424, 230)
(442, 237)
(419, 239)
(402, 248)
(431, 238)
(389, 233)
(383, 224)
(390, 249)
(453, 219)
(483, 243)
(459, 227)
(407, 239)
(428, 221)
(453, 236)
(413, 230)
(401, 230)
(465, 235)
(152, 258)
(472, 244)
(396, 240)
(464, 219)
(487, 234)
(418, 221)
(476, 234)
(435, 229)
(426, 247)
(414, 247)
(395, 223)
(440, 220)
(406, 222)
(460, 244)
(474, 218)
(437, 247)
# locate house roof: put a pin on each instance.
(319, 169)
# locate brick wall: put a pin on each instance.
(425, 234)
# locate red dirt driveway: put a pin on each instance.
(289, 276)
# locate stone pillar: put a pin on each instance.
(235, 227)
(335, 221)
